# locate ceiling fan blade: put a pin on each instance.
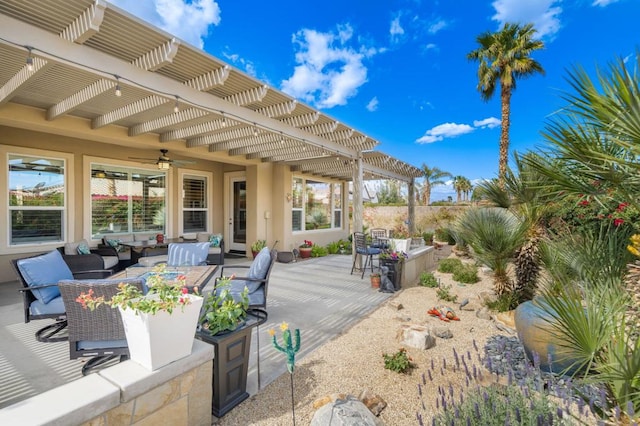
(182, 162)
(143, 159)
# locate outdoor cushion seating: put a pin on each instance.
(97, 334)
(363, 250)
(216, 245)
(379, 238)
(188, 254)
(80, 257)
(39, 276)
(256, 280)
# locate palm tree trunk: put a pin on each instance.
(505, 97)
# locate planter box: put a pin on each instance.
(395, 271)
(157, 340)
(230, 366)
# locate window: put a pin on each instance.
(37, 195)
(194, 203)
(125, 200)
(319, 203)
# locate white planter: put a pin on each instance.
(157, 340)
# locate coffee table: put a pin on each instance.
(197, 276)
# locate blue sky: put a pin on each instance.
(397, 70)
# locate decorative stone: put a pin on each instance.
(396, 305)
(327, 399)
(416, 336)
(506, 318)
(442, 332)
(374, 402)
(486, 296)
(483, 313)
(345, 412)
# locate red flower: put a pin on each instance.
(622, 206)
(584, 203)
(618, 222)
(185, 290)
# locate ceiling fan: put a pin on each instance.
(163, 162)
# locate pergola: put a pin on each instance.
(91, 60)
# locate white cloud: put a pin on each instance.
(188, 20)
(430, 46)
(373, 104)
(542, 13)
(396, 30)
(446, 130)
(487, 123)
(438, 25)
(329, 71)
(248, 66)
(603, 3)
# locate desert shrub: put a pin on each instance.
(445, 234)
(427, 279)
(427, 237)
(505, 302)
(333, 247)
(444, 293)
(467, 274)
(448, 266)
(399, 362)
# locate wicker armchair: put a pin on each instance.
(97, 334)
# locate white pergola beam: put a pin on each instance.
(85, 25)
(80, 97)
(322, 129)
(302, 120)
(21, 77)
(159, 57)
(278, 110)
(209, 80)
(197, 129)
(128, 110)
(248, 96)
(166, 121)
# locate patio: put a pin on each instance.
(317, 295)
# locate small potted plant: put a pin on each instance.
(160, 324)
(305, 249)
(375, 280)
(225, 324)
(257, 246)
(393, 259)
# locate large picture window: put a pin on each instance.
(315, 205)
(194, 203)
(37, 197)
(125, 200)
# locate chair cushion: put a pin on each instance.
(203, 237)
(54, 307)
(181, 254)
(89, 345)
(110, 261)
(256, 297)
(48, 268)
(259, 268)
(215, 239)
(190, 236)
(72, 248)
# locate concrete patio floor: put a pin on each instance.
(317, 295)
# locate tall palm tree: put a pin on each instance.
(432, 176)
(459, 187)
(466, 188)
(504, 58)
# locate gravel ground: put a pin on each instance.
(353, 363)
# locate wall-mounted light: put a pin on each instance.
(288, 197)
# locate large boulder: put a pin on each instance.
(345, 412)
(416, 336)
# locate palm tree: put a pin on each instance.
(432, 176)
(504, 57)
(461, 184)
(466, 187)
(494, 234)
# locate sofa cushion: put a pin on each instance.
(202, 237)
(72, 248)
(259, 268)
(48, 268)
(190, 236)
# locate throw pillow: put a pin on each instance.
(259, 269)
(83, 249)
(113, 243)
(215, 239)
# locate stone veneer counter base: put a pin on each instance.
(126, 394)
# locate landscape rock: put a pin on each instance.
(506, 318)
(345, 412)
(397, 306)
(483, 313)
(374, 402)
(327, 399)
(416, 336)
(487, 296)
(442, 332)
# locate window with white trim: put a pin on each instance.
(316, 205)
(195, 210)
(127, 200)
(37, 199)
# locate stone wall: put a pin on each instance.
(127, 394)
(427, 218)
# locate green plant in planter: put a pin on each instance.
(221, 312)
(258, 245)
(318, 251)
